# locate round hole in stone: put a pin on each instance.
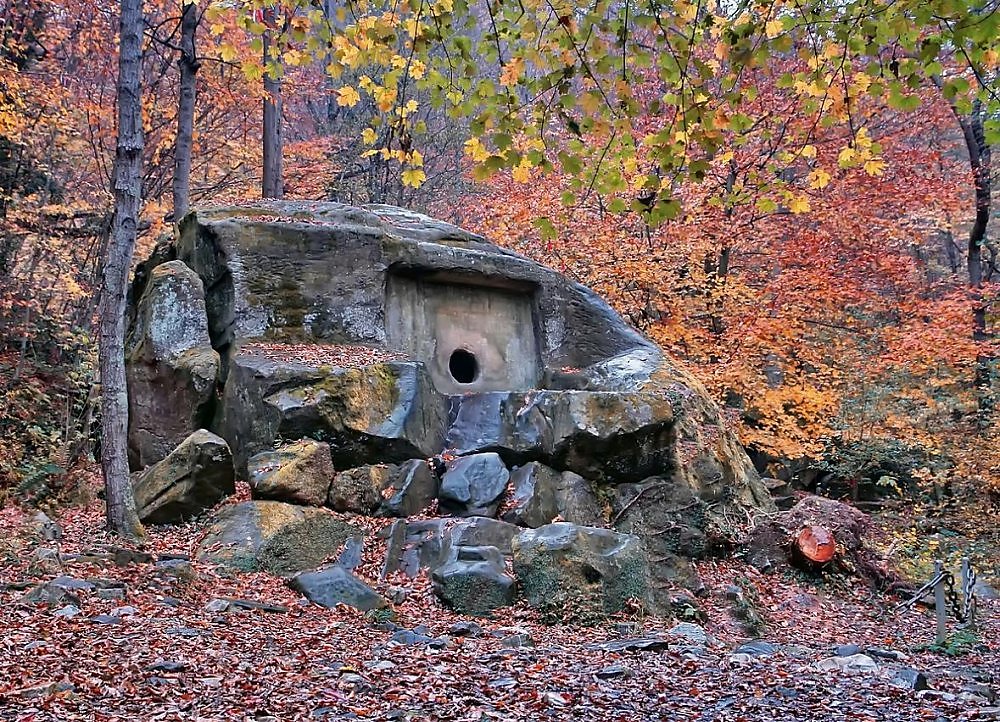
(463, 366)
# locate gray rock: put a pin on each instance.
(565, 568)
(335, 585)
(126, 611)
(190, 479)
(757, 648)
(474, 580)
(359, 490)
(171, 367)
(613, 671)
(909, 678)
(72, 584)
(112, 593)
(641, 644)
(275, 537)
(691, 634)
(465, 629)
(479, 531)
(217, 606)
(847, 650)
(414, 545)
(541, 369)
(165, 665)
(106, 619)
(299, 473)
(473, 484)
(350, 556)
(179, 569)
(852, 663)
(534, 502)
(518, 640)
(414, 487)
(380, 413)
(67, 612)
(413, 638)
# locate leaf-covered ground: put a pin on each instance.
(168, 657)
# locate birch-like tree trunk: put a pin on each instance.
(188, 65)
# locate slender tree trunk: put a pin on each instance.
(272, 186)
(981, 165)
(188, 64)
(121, 512)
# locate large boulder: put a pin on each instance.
(274, 536)
(541, 494)
(429, 543)
(472, 485)
(474, 580)
(359, 490)
(195, 476)
(172, 367)
(412, 488)
(377, 413)
(299, 473)
(575, 573)
(392, 336)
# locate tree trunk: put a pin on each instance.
(121, 512)
(272, 186)
(980, 163)
(188, 64)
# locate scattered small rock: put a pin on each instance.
(163, 665)
(644, 644)
(106, 619)
(757, 648)
(126, 611)
(112, 593)
(217, 606)
(465, 629)
(68, 612)
(849, 663)
(909, 678)
(847, 650)
(517, 641)
(613, 671)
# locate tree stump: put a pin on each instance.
(815, 544)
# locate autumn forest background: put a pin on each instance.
(836, 307)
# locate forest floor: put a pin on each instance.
(168, 650)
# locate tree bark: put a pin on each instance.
(188, 65)
(980, 157)
(272, 185)
(121, 512)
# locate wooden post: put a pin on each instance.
(967, 592)
(940, 610)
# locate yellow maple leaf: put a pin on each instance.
(368, 136)
(774, 28)
(875, 166)
(522, 171)
(227, 52)
(846, 158)
(475, 149)
(414, 177)
(798, 204)
(819, 178)
(809, 151)
(347, 96)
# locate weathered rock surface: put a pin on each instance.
(463, 347)
(414, 487)
(299, 473)
(273, 536)
(473, 580)
(335, 585)
(359, 490)
(193, 477)
(426, 544)
(541, 494)
(580, 572)
(382, 413)
(472, 485)
(172, 367)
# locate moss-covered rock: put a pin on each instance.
(299, 473)
(579, 574)
(193, 477)
(273, 536)
(171, 366)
